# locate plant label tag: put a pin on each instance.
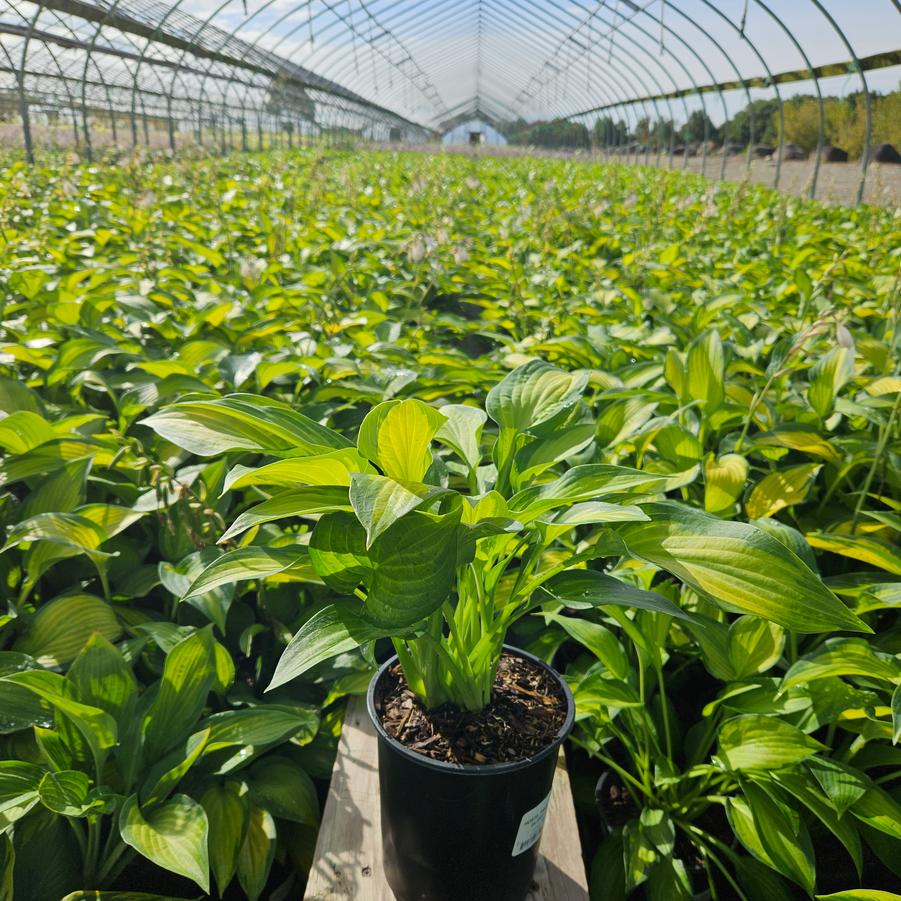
(530, 827)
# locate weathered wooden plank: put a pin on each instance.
(347, 863)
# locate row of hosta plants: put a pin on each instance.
(213, 376)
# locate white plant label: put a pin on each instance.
(530, 827)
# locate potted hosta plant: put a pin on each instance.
(432, 541)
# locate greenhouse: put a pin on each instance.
(450, 451)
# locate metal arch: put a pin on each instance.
(679, 62)
(865, 156)
(821, 111)
(49, 50)
(626, 53)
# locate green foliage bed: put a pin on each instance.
(742, 344)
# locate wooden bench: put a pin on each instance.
(347, 862)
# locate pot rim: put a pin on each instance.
(474, 769)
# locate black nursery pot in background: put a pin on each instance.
(452, 832)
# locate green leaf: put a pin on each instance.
(827, 377)
(599, 640)
(859, 547)
(96, 725)
(896, 714)
(332, 468)
(103, 679)
(162, 778)
(189, 674)
(238, 736)
(755, 645)
(285, 790)
(379, 501)
(227, 811)
(257, 852)
(877, 808)
(755, 742)
(402, 439)
(584, 588)
(781, 489)
(783, 836)
(19, 785)
(242, 422)
(801, 438)
(60, 492)
(333, 630)
(338, 552)
(737, 565)
(705, 369)
(65, 792)
(840, 783)
(843, 657)
(413, 569)
(724, 481)
(172, 835)
(860, 894)
(253, 562)
(581, 483)
(462, 431)
(308, 501)
(63, 626)
(23, 430)
(532, 395)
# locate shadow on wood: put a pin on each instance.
(347, 863)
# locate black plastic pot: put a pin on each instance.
(462, 833)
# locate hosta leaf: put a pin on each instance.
(60, 492)
(96, 726)
(242, 422)
(799, 438)
(739, 565)
(840, 783)
(403, 439)
(783, 836)
(532, 395)
(868, 550)
(599, 640)
(19, 785)
(331, 631)
(843, 657)
(724, 480)
(379, 501)
(65, 792)
(705, 369)
(413, 569)
(297, 502)
(754, 742)
(584, 588)
(189, 674)
(285, 790)
(860, 894)
(332, 468)
(827, 377)
(338, 552)
(755, 645)
(877, 808)
(238, 736)
(172, 835)
(63, 626)
(781, 489)
(581, 483)
(462, 431)
(23, 430)
(246, 563)
(227, 813)
(257, 852)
